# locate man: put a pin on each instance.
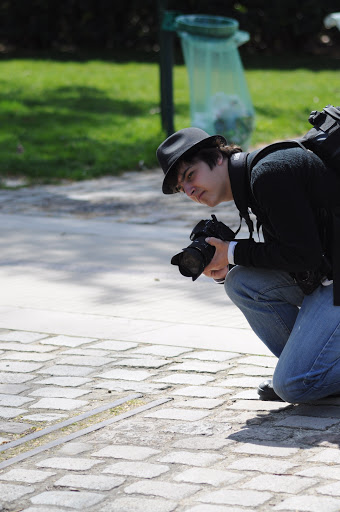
(283, 285)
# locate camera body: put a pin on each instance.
(197, 256)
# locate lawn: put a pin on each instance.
(82, 119)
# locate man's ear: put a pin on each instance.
(220, 160)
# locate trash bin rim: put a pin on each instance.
(207, 25)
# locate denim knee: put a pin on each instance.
(234, 283)
(291, 390)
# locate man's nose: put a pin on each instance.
(189, 189)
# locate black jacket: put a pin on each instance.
(293, 196)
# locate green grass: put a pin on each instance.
(77, 120)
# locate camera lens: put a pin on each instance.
(193, 262)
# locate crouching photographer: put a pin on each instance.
(288, 286)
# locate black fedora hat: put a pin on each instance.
(175, 147)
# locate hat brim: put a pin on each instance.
(209, 142)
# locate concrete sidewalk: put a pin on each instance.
(125, 386)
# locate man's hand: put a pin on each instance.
(218, 267)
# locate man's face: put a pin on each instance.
(204, 185)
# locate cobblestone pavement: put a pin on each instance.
(131, 421)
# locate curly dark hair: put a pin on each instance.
(209, 155)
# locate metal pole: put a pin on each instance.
(166, 41)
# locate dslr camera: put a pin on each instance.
(194, 258)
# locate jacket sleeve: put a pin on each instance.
(294, 244)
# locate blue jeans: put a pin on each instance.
(303, 331)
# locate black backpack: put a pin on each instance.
(323, 139)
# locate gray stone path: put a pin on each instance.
(91, 313)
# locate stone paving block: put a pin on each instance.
(72, 464)
(328, 456)
(208, 476)
(319, 411)
(309, 503)
(178, 414)
(59, 392)
(29, 476)
(248, 394)
(332, 489)
(12, 492)
(267, 361)
(45, 509)
(119, 346)
(28, 356)
(18, 367)
(271, 450)
(201, 391)
(67, 371)
(137, 469)
(251, 371)
(4, 440)
(129, 452)
(31, 347)
(77, 500)
(201, 443)
(142, 363)
(139, 505)
(199, 428)
(191, 458)
(91, 482)
(236, 497)
(130, 385)
(163, 489)
(308, 422)
(14, 401)
(331, 473)
(13, 427)
(120, 374)
(45, 417)
(262, 464)
(62, 404)
(161, 350)
(203, 403)
(184, 378)
(240, 382)
(66, 341)
(22, 336)
(85, 360)
(212, 508)
(280, 483)
(11, 412)
(86, 352)
(64, 381)
(12, 378)
(199, 367)
(258, 405)
(211, 355)
(12, 389)
(74, 448)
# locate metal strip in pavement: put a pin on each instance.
(82, 432)
(65, 423)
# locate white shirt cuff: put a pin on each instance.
(231, 250)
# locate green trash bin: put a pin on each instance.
(220, 102)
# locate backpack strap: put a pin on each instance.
(238, 169)
(274, 147)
